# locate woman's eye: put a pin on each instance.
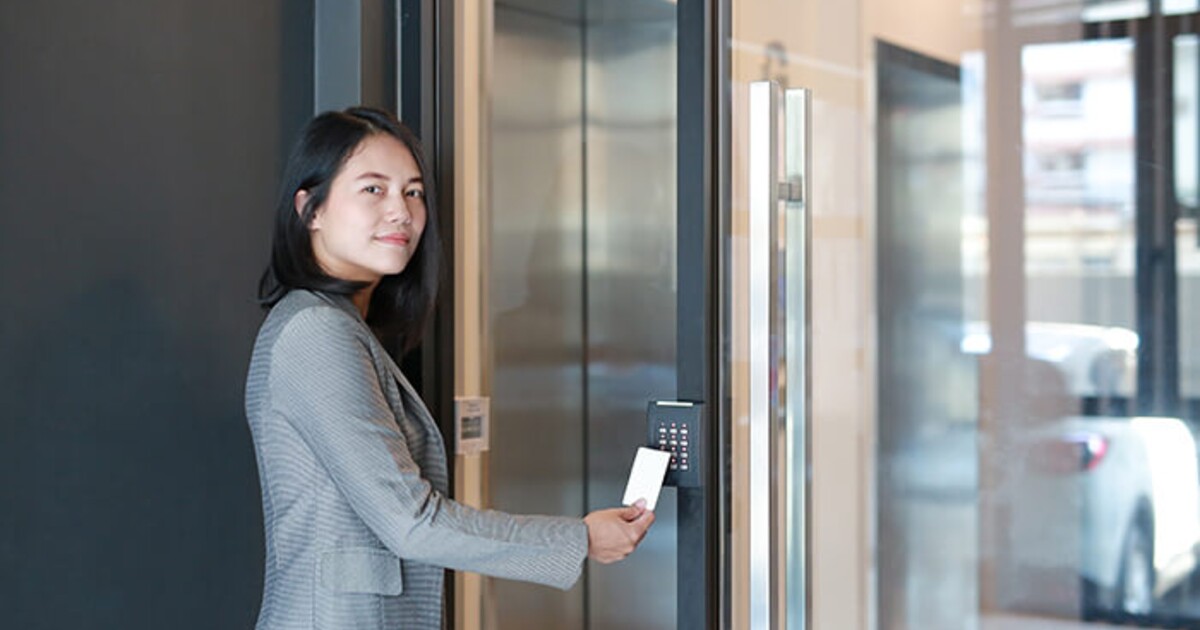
(415, 193)
(373, 189)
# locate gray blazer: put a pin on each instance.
(353, 476)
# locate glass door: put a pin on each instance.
(768, 328)
(1002, 245)
(602, 265)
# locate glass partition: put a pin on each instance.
(1004, 353)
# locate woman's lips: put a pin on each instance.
(395, 239)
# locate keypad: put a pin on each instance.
(673, 437)
(676, 428)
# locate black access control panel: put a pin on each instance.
(674, 427)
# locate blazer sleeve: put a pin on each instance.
(324, 382)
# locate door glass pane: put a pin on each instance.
(1005, 361)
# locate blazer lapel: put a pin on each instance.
(435, 467)
(410, 406)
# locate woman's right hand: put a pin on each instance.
(614, 533)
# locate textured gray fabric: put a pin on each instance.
(354, 485)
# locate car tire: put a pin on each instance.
(1095, 600)
(1135, 586)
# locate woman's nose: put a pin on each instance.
(397, 212)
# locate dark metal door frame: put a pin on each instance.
(703, 201)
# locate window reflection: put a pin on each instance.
(1108, 10)
(1078, 132)
(1187, 239)
(928, 500)
(1173, 7)
(1047, 467)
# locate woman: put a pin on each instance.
(352, 466)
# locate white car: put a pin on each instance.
(1112, 498)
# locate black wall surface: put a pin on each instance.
(140, 148)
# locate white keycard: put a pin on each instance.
(646, 478)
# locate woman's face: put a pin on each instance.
(371, 222)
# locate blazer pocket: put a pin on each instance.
(360, 570)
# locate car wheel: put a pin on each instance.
(1095, 601)
(1135, 590)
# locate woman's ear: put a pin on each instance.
(299, 201)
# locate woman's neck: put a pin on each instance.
(362, 299)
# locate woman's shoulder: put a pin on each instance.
(298, 300)
(310, 318)
(305, 335)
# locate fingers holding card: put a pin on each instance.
(646, 477)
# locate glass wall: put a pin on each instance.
(1004, 252)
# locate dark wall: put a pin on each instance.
(140, 148)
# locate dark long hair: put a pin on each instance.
(401, 304)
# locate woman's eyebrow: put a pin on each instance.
(373, 175)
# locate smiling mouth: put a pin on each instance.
(394, 239)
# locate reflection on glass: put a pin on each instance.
(1109, 10)
(1186, 50)
(1079, 183)
(1171, 7)
(1015, 476)
(796, 351)
(1112, 10)
(1036, 189)
(1077, 539)
(927, 432)
(1187, 240)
